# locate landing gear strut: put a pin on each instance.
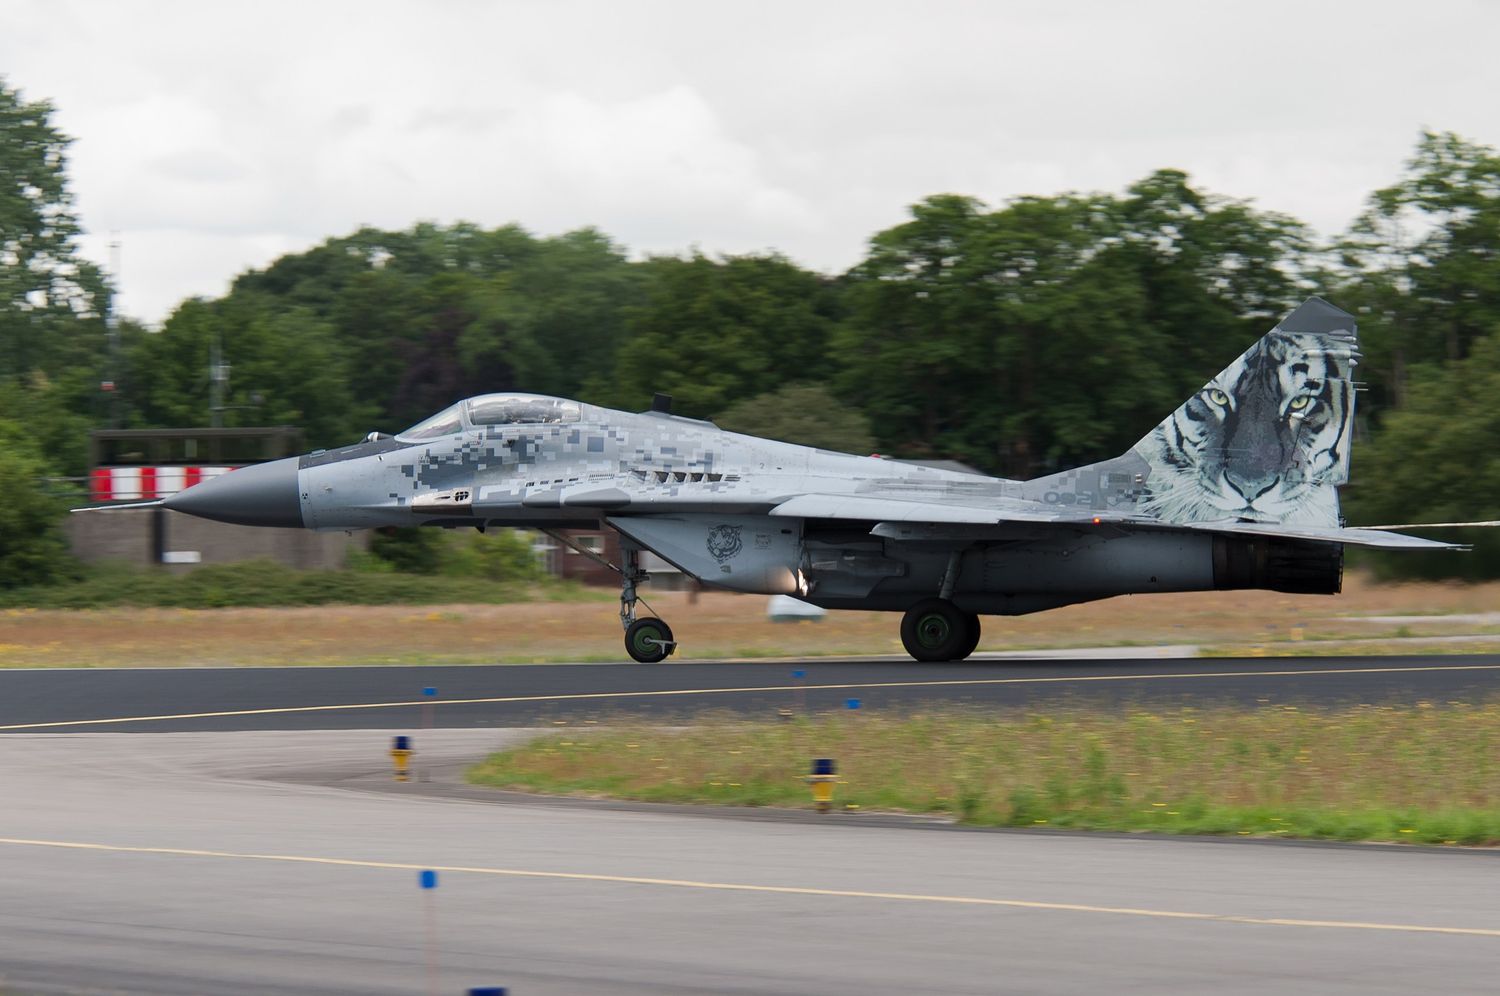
(937, 630)
(647, 639)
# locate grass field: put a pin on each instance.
(1428, 773)
(718, 625)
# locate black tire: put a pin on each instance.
(644, 639)
(972, 641)
(935, 630)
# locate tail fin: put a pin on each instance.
(1267, 440)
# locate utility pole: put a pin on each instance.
(112, 329)
(218, 374)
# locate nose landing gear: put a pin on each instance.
(648, 639)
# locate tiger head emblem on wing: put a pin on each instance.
(1267, 440)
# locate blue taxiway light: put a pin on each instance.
(428, 879)
(852, 703)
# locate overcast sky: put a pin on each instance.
(214, 136)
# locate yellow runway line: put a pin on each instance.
(851, 686)
(784, 890)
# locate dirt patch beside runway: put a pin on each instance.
(715, 625)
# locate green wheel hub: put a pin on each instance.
(933, 630)
(646, 639)
(937, 630)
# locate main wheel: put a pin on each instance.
(649, 640)
(936, 630)
(972, 640)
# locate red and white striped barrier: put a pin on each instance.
(145, 483)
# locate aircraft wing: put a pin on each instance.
(881, 510)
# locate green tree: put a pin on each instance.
(1215, 272)
(801, 413)
(286, 367)
(60, 435)
(555, 319)
(1435, 460)
(919, 324)
(1422, 263)
(714, 331)
(51, 300)
(32, 550)
(1058, 330)
(435, 313)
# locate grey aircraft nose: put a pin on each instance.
(262, 494)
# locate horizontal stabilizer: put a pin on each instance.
(1375, 539)
(1440, 525)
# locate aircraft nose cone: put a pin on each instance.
(262, 494)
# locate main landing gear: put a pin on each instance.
(937, 630)
(647, 639)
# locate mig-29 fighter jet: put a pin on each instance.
(1238, 488)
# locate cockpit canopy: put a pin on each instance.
(494, 409)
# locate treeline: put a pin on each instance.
(1021, 338)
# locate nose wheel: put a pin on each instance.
(649, 640)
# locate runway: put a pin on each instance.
(281, 863)
(250, 852)
(290, 698)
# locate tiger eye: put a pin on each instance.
(1300, 402)
(1218, 397)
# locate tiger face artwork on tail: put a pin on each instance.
(1267, 440)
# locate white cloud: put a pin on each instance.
(214, 136)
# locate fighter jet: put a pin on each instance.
(1237, 488)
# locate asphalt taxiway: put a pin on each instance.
(280, 863)
(320, 698)
(256, 855)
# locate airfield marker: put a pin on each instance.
(822, 778)
(400, 755)
(428, 880)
